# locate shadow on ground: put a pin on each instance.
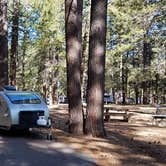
(134, 151)
(123, 144)
(20, 149)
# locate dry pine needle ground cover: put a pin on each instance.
(133, 143)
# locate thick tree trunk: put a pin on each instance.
(3, 43)
(14, 42)
(96, 69)
(73, 20)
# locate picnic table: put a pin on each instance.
(112, 112)
(160, 115)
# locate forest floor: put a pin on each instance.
(133, 143)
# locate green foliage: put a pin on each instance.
(44, 23)
(129, 24)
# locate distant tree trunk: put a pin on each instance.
(123, 85)
(42, 86)
(14, 42)
(55, 92)
(96, 69)
(55, 82)
(156, 87)
(113, 94)
(136, 93)
(73, 25)
(3, 43)
(23, 59)
(124, 78)
(84, 61)
(144, 83)
(44, 92)
(53, 78)
(147, 56)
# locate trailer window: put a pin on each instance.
(23, 98)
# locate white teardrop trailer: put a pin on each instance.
(23, 110)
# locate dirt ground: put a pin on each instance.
(133, 143)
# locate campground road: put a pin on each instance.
(31, 150)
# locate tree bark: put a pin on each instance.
(55, 81)
(42, 86)
(156, 87)
(53, 77)
(113, 94)
(14, 43)
(147, 56)
(23, 59)
(96, 69)
(84, 65)
(136, 93)
(73, 28)
(145, 65)
(124, 80)
(3, 43)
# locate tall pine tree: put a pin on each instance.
(3, 43)
(14, 42)
(73, 27)
(96, 68)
